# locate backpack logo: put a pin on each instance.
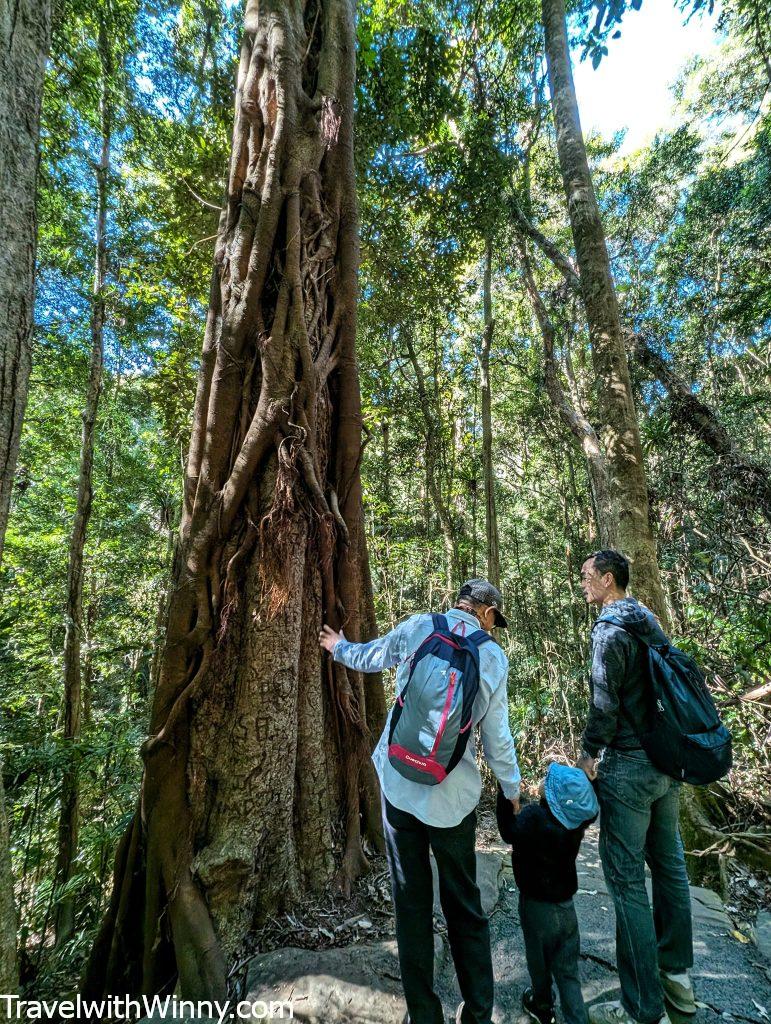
(431, 719)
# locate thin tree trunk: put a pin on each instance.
(621, 433)
(483, 357)
(526, 227)
(64, 923)
(447, 523)
(25, 31)
(570, 413)
(752, 478)
(9, 971)
(257, 759)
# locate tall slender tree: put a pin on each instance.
(73, 615)
(25, 31)
(257, 757)
(568, 409)
(621, 433)
(449, 526)
(485, 393)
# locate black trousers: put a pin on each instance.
(408, 841)
(552, 948)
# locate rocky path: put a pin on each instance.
(360, 983)
(731, 978)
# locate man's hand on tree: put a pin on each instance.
(328, 637)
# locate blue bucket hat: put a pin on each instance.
(570, 795)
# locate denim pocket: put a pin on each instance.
(633, 779)
(612, 767)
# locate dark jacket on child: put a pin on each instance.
(543, 851)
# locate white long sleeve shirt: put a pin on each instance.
(448, 803)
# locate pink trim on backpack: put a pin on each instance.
(414, 761)
(466, 727)
(445, 714)
(444, 639)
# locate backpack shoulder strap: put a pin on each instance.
(479, 637)
(440, 622)
(615, 621)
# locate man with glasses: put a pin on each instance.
(639, 808)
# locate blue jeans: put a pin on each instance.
(639, 808)
(408, 841)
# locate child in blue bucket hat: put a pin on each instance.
(545, 838)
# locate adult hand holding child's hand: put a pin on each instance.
(588, 764)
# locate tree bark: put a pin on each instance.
(258, 753)
(621, 433)
(751, 478)
(571, 414)
(25, 31)
(64, 923)
(483, 357)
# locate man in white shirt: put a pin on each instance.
(442, 818)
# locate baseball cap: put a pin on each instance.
(485, 593)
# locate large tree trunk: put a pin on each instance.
(621, 433)
(73, 614)
(570, 412)
(483, 356)
(24, 40)
(25, 29)
(258, 755)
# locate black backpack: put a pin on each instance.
(685, 737)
